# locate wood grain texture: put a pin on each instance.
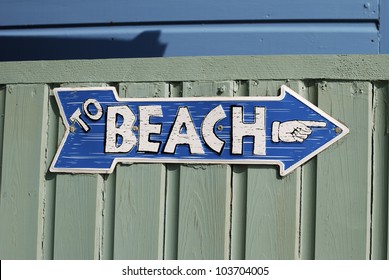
(205, 196)
(172, 196)
(239, 196)
(272, 202)
(308, 185)
(172, 211)
(23, 169)
(272, 214)
(379, 210)
(346, 67)
(139, 211)
(108, 222)
(335, 207)
(204, 212)
(143, 90)
(77, 233)
(78, 209)
(239, 212)
(50, 180)
(344, 175)
(140, 196)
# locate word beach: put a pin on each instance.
(103, 129)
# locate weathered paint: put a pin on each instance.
(272, 203)
(384, 27)
(90, 143)
(124, 29)
(380, 147)
(120, 11)
(343, 198)
(204, 216)
(343, 67)
(140, 198)
(334, 207)
(194, 39)
(22, 200)
(80, 208)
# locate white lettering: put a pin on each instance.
(99, 109)
(76, 117)
(241, 129)
(176, 137)
(124, 130)
(208, 128)
(146, 128)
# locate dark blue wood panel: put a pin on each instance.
(189, 40)
(47, 12)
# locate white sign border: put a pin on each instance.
(283, 171)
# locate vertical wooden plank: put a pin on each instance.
(272, 214)
(23, 169)
(2, 113)
(205, 196)
(108, 227)
(172, 210)
(239, 197)
(140, 196)
(139, 212)
(172, 196)
(308, 186)
(344, 175)
(78, 211)
(239, 212)
(204, 212)
(108, 220)
(386, 90)
(50, 181)
(76, 233)
(272, 203)
(379, 222)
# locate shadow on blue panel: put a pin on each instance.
(146, 44)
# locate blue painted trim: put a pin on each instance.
(188, 40)
(384, 27)
(64, 12)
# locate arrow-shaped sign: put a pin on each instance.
(103, 129)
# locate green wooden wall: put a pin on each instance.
(333, 207)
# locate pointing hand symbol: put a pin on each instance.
(293, 131)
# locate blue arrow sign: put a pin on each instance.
(103, 129)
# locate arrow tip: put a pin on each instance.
(335, 130)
